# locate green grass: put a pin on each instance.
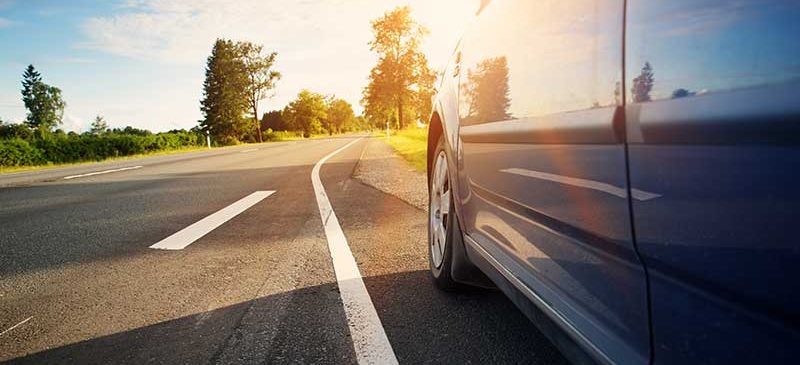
(411, 144)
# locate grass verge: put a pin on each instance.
(411, 144)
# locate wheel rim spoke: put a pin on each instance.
(444, 206)
(439, 209)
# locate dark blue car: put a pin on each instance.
(628, 173)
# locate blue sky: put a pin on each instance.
(141, 62)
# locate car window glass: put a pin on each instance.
(534, 58)
(685, 48)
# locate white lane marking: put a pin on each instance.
(185, 237)
(583, 183)
(102, 172)
(369, 339)
(250, 150)
(16, 325)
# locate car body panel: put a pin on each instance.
(653, 225)
(716, 133)
(542, 181)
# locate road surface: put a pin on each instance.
(254, 282)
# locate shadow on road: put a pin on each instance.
(423, 324)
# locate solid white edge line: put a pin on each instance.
(102, 172)
(250, 150)
(16, 325)
(369, 338)
(583, 183)
(185, 237)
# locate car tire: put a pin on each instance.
(441, 213)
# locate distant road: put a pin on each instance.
(218, 257)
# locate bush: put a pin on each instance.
(18, 152)
(67, 148)
(272, 136)
(227, 141)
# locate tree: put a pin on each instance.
(135, 131)
(487, 91)
(306, 113)
(425, 93)
(44, 103)
(402, 74)
(260, 76)
(682, 93)
(99, 126)
(224, 93)
(274, 120)
(13, 130)
(340, 116)
(643, 84)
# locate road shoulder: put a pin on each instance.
(380, 167)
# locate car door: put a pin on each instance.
(714, 130)
(543, 166)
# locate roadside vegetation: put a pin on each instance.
(400, 85)
(238, 76)
(38, 141)
(411, 144)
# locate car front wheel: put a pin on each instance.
(443, 225)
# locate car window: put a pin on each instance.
(685, 48)
(534, 58)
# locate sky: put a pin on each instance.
(142, 62)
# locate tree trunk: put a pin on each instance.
(258, 124)
(400, 121)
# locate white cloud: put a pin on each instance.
(321, 44)
(71, 122)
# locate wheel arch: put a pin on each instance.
(462, 269)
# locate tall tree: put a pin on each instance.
(402, 70)
(643, 84)
(260, 76)
(340, 116)
(44, 103)
(224, 100)
(99, 126)
(306, 113)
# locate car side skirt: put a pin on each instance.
(573, 345)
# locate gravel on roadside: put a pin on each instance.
(381, 168)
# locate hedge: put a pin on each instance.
(18, 152)
(62, 148)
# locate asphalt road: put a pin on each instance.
(79, 282)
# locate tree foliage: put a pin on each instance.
(99, 126)
(260, 76)
(238, 76)
(224, 93)
(44, 103)
(643, 84)
(306, 113)
(274, 120)
(401, 82)
(340, 116)
(486, 91)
